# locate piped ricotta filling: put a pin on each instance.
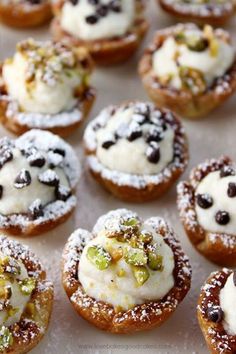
(131, 156)
(84, 21)
(117, 285)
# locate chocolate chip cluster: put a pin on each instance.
(101, 10)
(205, 201)
(146, 123)
(35, 158)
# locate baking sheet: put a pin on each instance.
(211, 137)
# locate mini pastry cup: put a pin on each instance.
(141, 317)
(105, 51)
(30, 330)
(219, 248)
(25, 15)
(138, 188)
(55, 213)
(217, 339)
(212, 15)
(85, 100)
(183, 102)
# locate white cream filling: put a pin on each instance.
(165, 64)
(217, 188)
(18, 300)
(130, 157)
(114, 24)
(123, 291)
(227, 304)
(41, 97)
(18, 200)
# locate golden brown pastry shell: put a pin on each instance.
(183, 102)
(216, 247)
(104, 316)
(218, 341)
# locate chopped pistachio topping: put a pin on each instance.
(116, 254)
(193, 42)
(155, 261)
(98, 256)
(6, 338)
(10, 266)
(121, 273)
(192, 80)
(27, 285)
(141, 274)
(135, 256)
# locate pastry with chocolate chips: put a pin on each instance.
(26, 298)
(207, 206)
(45, 85)
(127, 275)
(216, 312)
(213, 12)
(136, 150)
(38, 176)
(25, 13)
(111, 30)
(199, 72)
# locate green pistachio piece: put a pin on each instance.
(155, 261)
(131, 222)
(135, 256)
(192, 80)
(5, 292)
(141, 274)
(6, 338)
(99, 257)
(196, 44)
(10, 266)
(27, 285)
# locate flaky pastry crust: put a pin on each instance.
(217, 247)
(184, 102)
(25, 15)
(146, 190)
(106, 51)
(141, 317)
(29, 331)
(85, 100)
(212, 15)
(217, 339)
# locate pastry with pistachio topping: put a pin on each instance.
(38, 176)
(136, 150)
(127, 274)
(213, 12)
(26, 298)
(25, 13)
(110, 29)
(199, 72)
(45, 85)
(216, 311)
(207, 207)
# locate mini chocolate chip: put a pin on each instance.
(107, 144)
(59, 151)
(1, 191)
(143, 109)
(205, 201)
(94, 2)
(115, 6)
(153, 152)
(102, 10)
(135, 134)
(231, 190)
(6, 155)
(36, 209)
(234, 277)
(49, 177)
(74, 2)
(37, 161)
(227, 171)
(139, 118)
(222, 217)
(215, 314)
(154, 135)
(23, 179)
(34, 2)
(92, 19)
(62, 193)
